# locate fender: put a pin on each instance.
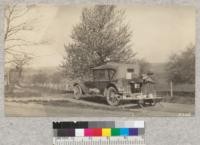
(83, 87)
(110, 85)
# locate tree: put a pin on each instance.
(181, 67)
(17, 24)
(17, 27)
(40, 78)
(20, 61)
(101, 36)
(13, 29)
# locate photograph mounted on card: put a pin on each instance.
(99, 60)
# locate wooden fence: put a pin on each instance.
(171, 89)
(55, 87)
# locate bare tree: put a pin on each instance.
(16, 24)
(12, 30)
(20, 61)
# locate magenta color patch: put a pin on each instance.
(88, 132)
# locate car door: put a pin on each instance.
(103, 81)
(92, 82)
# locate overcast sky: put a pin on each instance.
(157, 31)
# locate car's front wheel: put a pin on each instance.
(112, 96)
(77, 92)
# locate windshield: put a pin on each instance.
(112, 74)
(100, 75)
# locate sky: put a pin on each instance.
(158, 31)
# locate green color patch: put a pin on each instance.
(115, 132)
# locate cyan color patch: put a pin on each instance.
(124, 132)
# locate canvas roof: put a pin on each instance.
(107, 66)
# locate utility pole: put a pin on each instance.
(171, 89)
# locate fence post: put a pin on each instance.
(171, 89)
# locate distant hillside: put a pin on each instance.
(158, 67)
(159, 71)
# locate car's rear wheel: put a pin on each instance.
(153, 102)
(112, 97)
(141, 103)
(77, 92)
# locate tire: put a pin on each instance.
(77, 92)
(145, 103)
(141, 103)
(153, 102)
(111, 97)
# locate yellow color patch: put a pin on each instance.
(106, 132)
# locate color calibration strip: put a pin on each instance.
(108, 128)
(99, 133)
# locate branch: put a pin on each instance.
(21, 40)
(16, 45)
(19, 15)
(7, 25)
(11, 15)
(21, 26)
(21, 59)
(18, 28)
(8, 15)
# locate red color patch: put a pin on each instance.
(97, 132)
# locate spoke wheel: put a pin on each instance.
(77, 92)
(152, 102)
(145, 103)
(141, 103)
(112, 97)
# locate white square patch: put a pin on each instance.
(139, 124)
(79, 132)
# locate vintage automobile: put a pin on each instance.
(117, 82)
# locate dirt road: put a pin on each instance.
(60, 107)
(37, 101)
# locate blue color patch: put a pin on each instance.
(124, 132)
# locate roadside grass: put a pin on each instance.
(32, 91)
(22, 92)
(180, 96)
(179, 99)
(182, 93)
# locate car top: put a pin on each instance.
(119, 68)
